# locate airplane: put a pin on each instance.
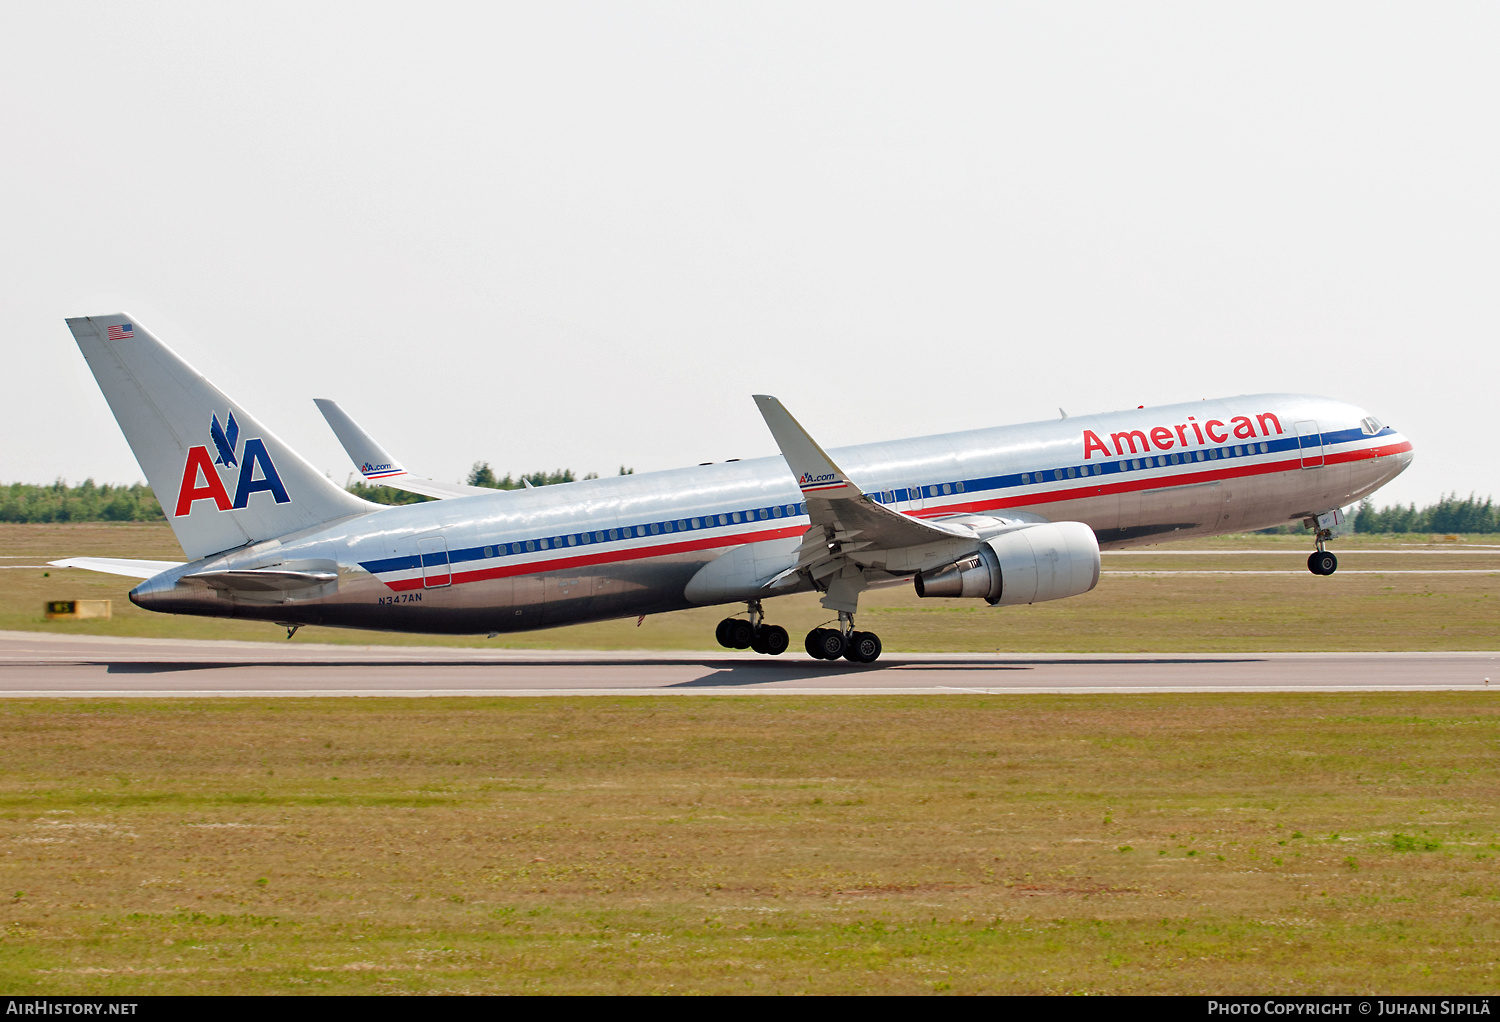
(1009, 515)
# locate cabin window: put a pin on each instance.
(697, 523)
(530, 546)
(723, 519)
(735, 518)
(573, 540)
(614, 533)
(1200, 455)
(489, 551)
(791, 509)
(776, 511)
(959, 487)
(1025, 478)
(682, 526)
(655, 528)
(1072, 472)
(1264, 448)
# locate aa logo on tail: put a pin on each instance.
(201, 480)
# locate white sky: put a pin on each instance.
(581, 235)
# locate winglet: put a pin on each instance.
(374, 462)
(817, 475)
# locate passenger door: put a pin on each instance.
(436, 571)
(1310, 443)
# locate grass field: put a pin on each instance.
(1128, 612)
(1176, 844)
(1266, 844)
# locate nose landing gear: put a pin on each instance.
(844, 641)
(737, 633)
(1321, 561)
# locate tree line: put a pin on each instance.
(86, 502)
(1448, 515)
(93, 502)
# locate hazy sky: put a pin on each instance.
(582, 235)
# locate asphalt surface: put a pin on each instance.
(38, 665)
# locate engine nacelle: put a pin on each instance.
(1028, 565)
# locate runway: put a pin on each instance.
(37, 665)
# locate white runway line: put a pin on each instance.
(768, 689)
(1341, 571)
(1474, 549)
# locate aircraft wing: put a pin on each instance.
(850, 530)
(376, 464)
(118, 565)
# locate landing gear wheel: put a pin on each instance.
(740, 634)
(1322, 562)
(722, 633)
(825, 643)
(864, 648)
(772, 640)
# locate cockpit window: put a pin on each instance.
(1371, 425)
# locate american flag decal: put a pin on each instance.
(122, 332)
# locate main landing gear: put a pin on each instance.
(737, 633)
(1321, 561)
(844, 641)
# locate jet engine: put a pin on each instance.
(1026, 565)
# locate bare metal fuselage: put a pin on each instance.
(631, 545)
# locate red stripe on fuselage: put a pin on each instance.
(607, 556)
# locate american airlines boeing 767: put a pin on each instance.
(1007, 515)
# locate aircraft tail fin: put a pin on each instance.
(222, 478)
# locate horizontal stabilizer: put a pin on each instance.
(376, 464)
(262, 580)
(118, 566)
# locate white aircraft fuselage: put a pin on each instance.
(728, 533)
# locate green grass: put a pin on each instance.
(1275, 844)
(1125, 613)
